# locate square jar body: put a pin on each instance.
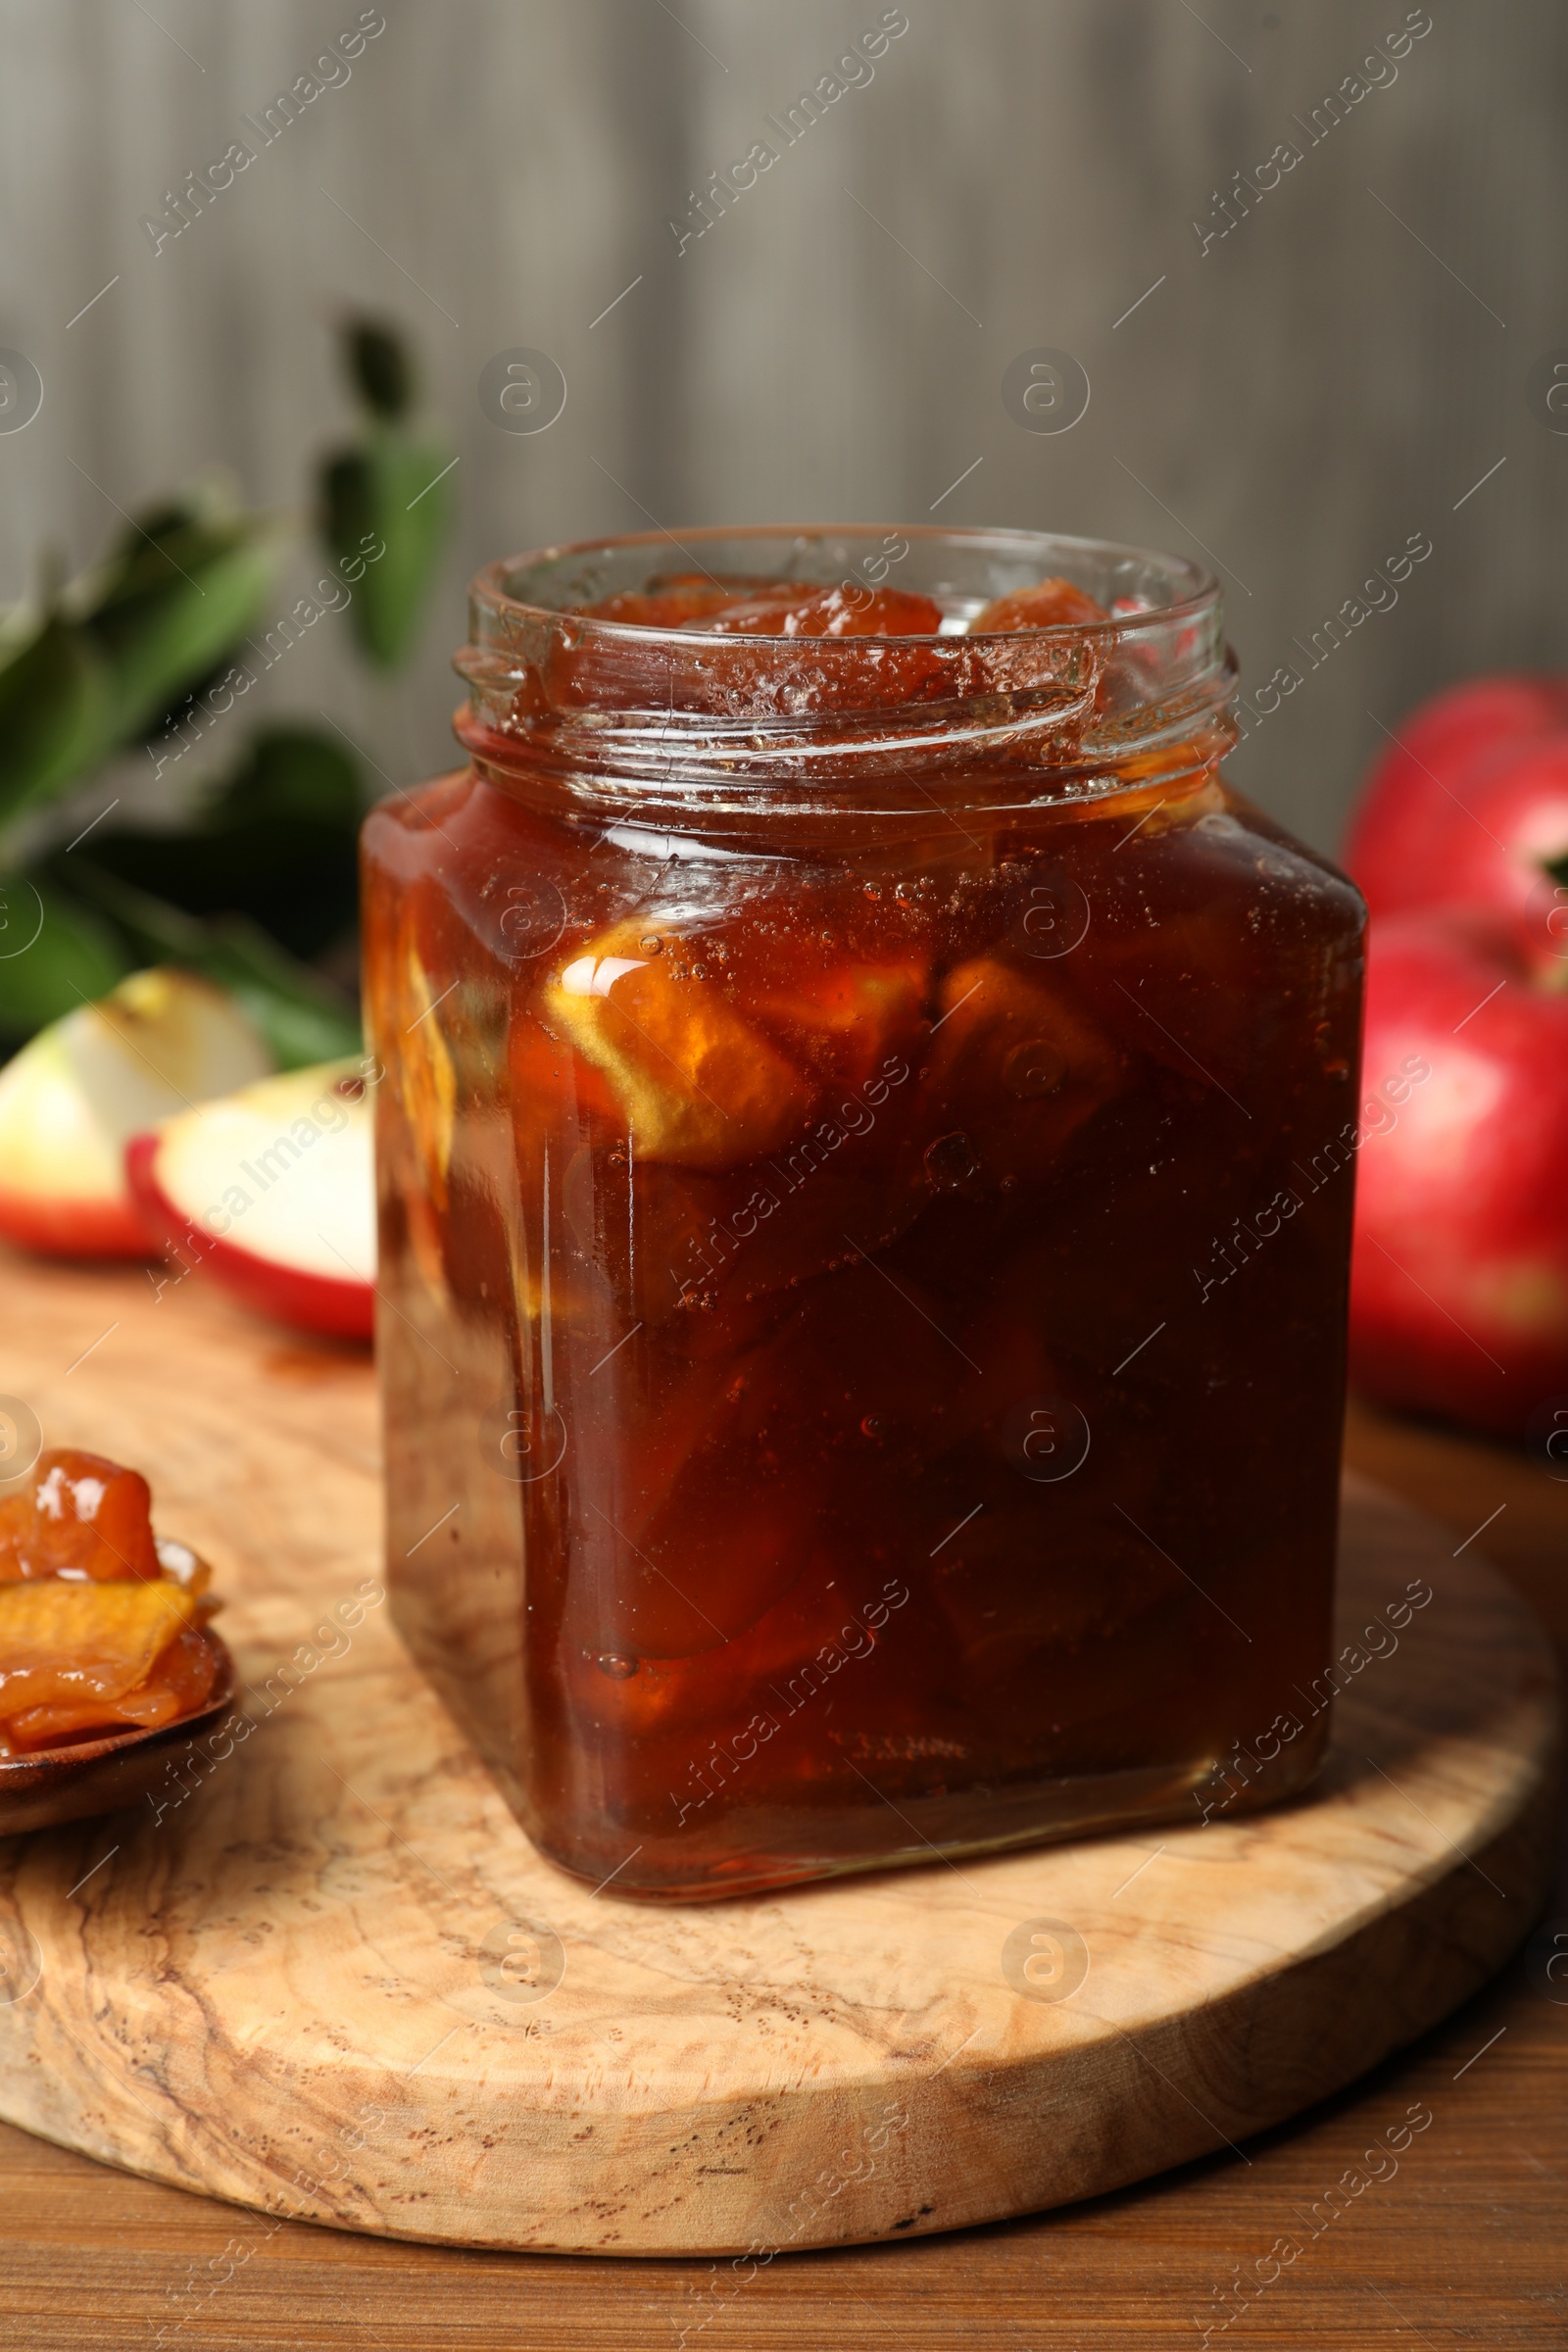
(862, 1329)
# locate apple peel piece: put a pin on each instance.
(272, 1188)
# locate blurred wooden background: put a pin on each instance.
(1294, 402)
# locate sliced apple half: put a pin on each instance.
(73, 1095)
(272, 1190)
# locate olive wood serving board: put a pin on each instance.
(331, 1980)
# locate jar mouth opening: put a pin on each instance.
(961, 567)
(692, 719)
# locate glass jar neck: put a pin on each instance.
(688, 730)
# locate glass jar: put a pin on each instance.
(865, 1218)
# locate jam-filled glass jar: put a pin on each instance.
(865, 1219)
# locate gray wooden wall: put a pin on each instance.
(1293, 402)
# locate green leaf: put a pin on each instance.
(54, 954)
(302, 1017)
(173, 605)
(54, 700)
(173, 599)
(278, 844)
(391, 494)
(379, 366)
(1556, 869)
(292, 772)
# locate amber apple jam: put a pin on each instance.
(864, 1220)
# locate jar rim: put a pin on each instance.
(692, 720)
(494, 589)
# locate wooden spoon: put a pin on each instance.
(103, 1776)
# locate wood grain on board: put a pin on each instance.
(295, 1980)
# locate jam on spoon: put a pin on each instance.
(102, 1624)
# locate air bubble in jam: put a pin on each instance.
(619, 1669)
(1034, 1069)
(950, 1160)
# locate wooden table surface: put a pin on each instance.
(1461, 2238)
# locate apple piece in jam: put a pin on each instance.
(1014, 1073)
(102, 1627)
(78, 1512)
(698, 1083)
(676, 599)
(772, 608)
(1049, 605)
(847, 610)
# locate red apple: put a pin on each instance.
(1459, 1289)
(75, 1093)
(1465, 807)
(272, 1191)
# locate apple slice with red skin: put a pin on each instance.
(272, 1191)
(75, 1093)
(1459, 1286)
